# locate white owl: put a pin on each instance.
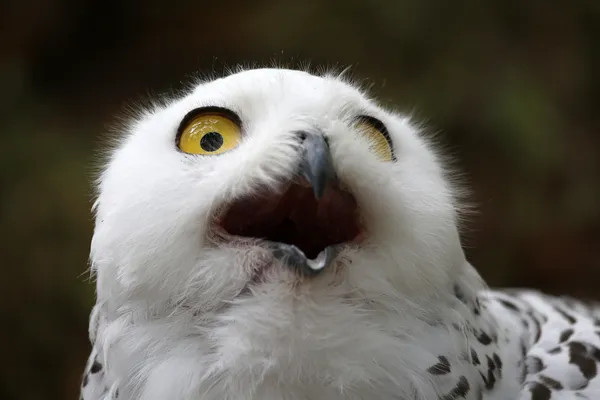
(276, 235)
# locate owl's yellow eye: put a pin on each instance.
(209, 132)
(378, 137)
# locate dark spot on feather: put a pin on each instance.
(578, 355)
(539, 391)
(441, 368)
(460, 295)
(555, 350)
(497, 361)
(474, 358)
(96, 367)
(509, 305)
(565, 315)
(484, 338)
(565, 335)
(552, 383)
(490, 380)
(534, 364)
(460, 390)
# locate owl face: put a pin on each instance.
(267, 181)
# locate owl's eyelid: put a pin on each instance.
(380, 126)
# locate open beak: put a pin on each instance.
(306, 224)
(317, 168)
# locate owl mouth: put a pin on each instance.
(296, 217)
(306, 222)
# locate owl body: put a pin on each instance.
(278, 235)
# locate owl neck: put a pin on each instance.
(452, 351)
(489, 350)
(338, 351)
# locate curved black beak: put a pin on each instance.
(316, 165)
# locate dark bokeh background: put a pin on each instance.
(512, 86)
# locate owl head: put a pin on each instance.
(271, 199)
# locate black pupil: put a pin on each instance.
(212, 141)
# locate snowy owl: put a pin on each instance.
(278, 235)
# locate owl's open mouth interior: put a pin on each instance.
(296, 217)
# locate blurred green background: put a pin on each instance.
(512, 86)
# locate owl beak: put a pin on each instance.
(317, 166)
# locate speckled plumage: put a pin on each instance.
(401, 315)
